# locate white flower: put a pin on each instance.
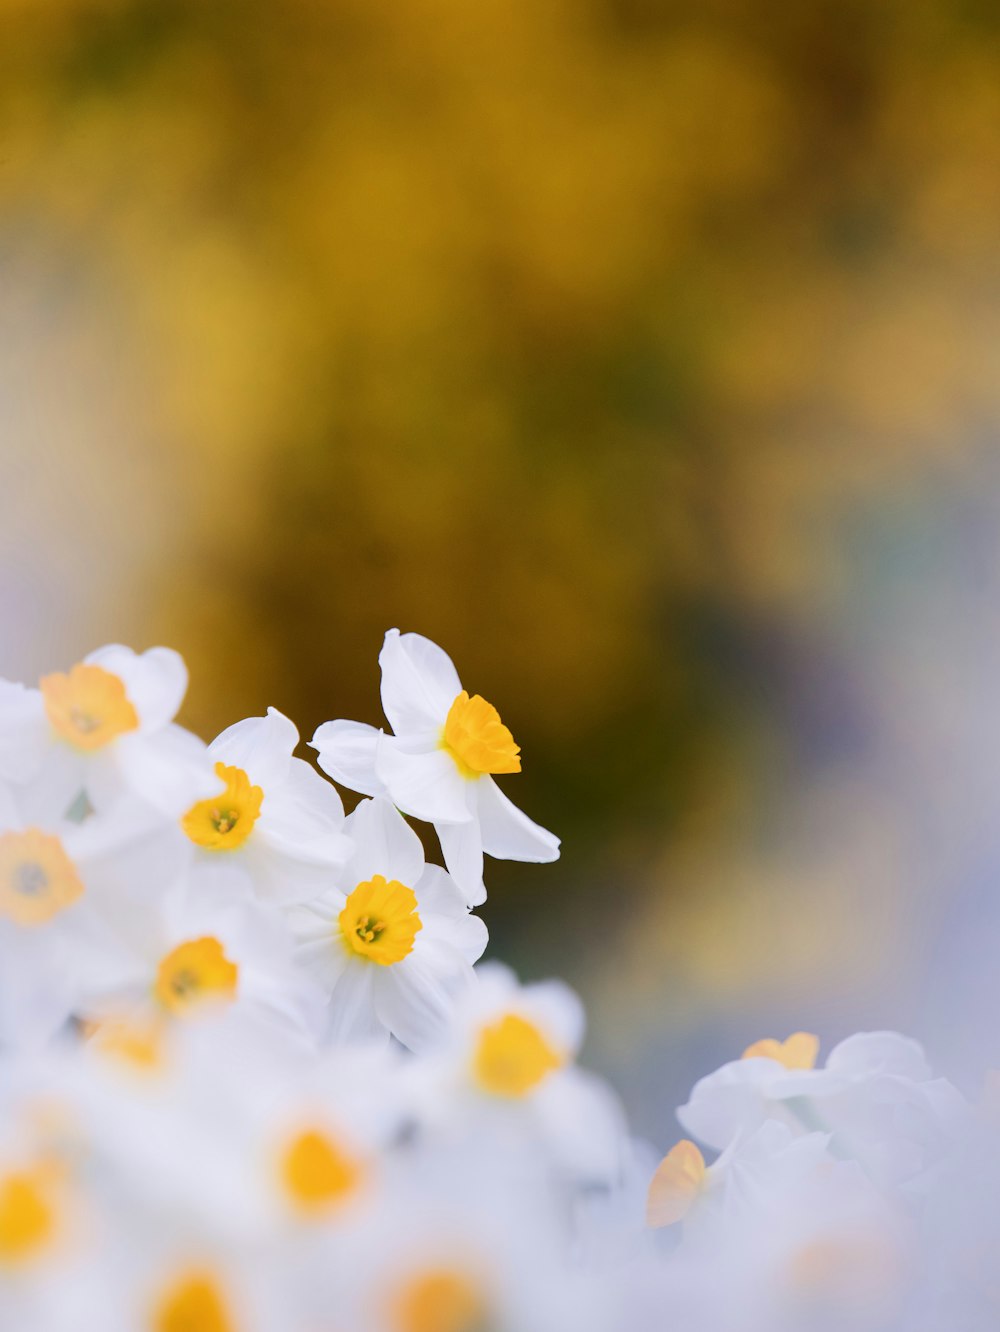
(62, 892)
(103, 728)
(753, 1166)
(781, 1234)
(207, 945)
(391, 940)
(438, 763)
(276, 817)
(464, 1240)
(508, 1070)
(875, 1096)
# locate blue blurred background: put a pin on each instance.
(644, 354)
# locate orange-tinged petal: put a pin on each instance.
(797, 1053)
(678, 1180)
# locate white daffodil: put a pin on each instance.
(875, 1095)
(391, 941)
(205, 946)
(508, 1068)
(684, 1186)
(439, 763)
(463, 1240)
(44, 1263)
(62, 888)
(103, 728)
(276, 817)
(780, 1233)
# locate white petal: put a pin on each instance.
(287, 880)
(584, 1124)
(462, 846)
(438, 893)
(416, 1000)
(346, 752)
(427, 785)
(129, 850)
(508, 834)
(419, 682)
(316, 797)
(37, 987)
(63, 774)
(384, 843)
(870, 1052)
(318, 947)
(303, 819)
(24, 732)
(352, 1015)
(155, 681)
(466, 935)
(497, 984)
(558, 1009)
(729, 1101)
(261, 746)
(171, 769)
(103, 777)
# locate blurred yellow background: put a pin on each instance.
(643, 354)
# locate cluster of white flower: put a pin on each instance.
(251, 1080)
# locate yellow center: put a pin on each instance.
(88, 707)
(317, 1173)
(37, 877)
(379, 921)
(194, 973)
(678, 1180)
(439, 1302)
(193, 1304)
(512, 1057)
(225, 821)
(477, 739)
(797, 1053)
(27, 1219)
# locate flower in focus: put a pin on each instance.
(276, 817)
(439, 763)
(391, 940)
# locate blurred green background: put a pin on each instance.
(643, 354)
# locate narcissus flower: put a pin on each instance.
(277, 817)
(61, 887)
(100, 729)
(875, 1095)
(204, 947)
(391, 941)
(439, 763)
(510, 1063)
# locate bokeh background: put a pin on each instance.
(645, 354)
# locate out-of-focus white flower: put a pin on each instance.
(875, 1096)
(438, 764)
(464, 1240)
(780, 1234)
(751, 1168)
(207, 945)
(508, 1069)
(104, 727)
(391, 941)
(62, 890)
(276, 817)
